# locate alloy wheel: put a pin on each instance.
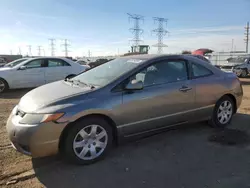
(225, 112)
(90, 142)
(244, 73)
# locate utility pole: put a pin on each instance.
(89, 53)
(160, 32)
(136, 30)
(66, 45)
(39, 50)
(232, 47)
(247, 36)
(19, 51)
(29, 49)
(52, 46)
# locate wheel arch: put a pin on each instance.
(96, 115)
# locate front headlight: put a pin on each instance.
(33, 119)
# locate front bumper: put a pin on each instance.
(35, 140)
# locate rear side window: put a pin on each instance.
(57, 63)
(200, 71)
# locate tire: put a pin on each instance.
(244, 73)
(70, 76)
(3, 86)
(216, 120)
(81, 151)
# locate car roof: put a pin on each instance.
(52, 57)
(150, 56)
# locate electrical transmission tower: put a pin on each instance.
(39, 48)
(19, 50)
(29, 49)
(247, 36)
(52, 46)
(66, 45)
(136, 30)
(160, 32)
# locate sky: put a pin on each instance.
(102, 26)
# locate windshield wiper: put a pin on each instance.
(77, 82)
(88, 85)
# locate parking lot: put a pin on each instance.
(188, 156)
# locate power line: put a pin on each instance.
(52, 46)
(160, 32)
(247, 36)
(29, 49)
(39, 48)
(136, 30)
(66, 45)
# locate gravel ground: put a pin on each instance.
(188, 156)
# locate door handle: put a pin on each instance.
(185, 89)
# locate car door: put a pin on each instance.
(166, 99)
(30, 74)
(57, 69)
(208, 89)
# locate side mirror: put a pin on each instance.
(22, 68)
(134, 85)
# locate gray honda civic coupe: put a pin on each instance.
(82, 117)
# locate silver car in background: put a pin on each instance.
(130, 96)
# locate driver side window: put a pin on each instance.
(163, 72)
(34, 64)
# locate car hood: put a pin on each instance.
(49, 93)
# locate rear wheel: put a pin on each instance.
(3, 85)
(223, 112)
(88, 141)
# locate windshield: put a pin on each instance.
(16, 62)
(108, 72)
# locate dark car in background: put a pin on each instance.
(239, 65)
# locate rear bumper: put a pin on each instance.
(34, 140)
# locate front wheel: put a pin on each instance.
(88, 141)
(223, 112)
(243, 73)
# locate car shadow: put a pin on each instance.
(14, 94)
(183, 157)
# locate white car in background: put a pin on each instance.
(82, 62)
(35, 72)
